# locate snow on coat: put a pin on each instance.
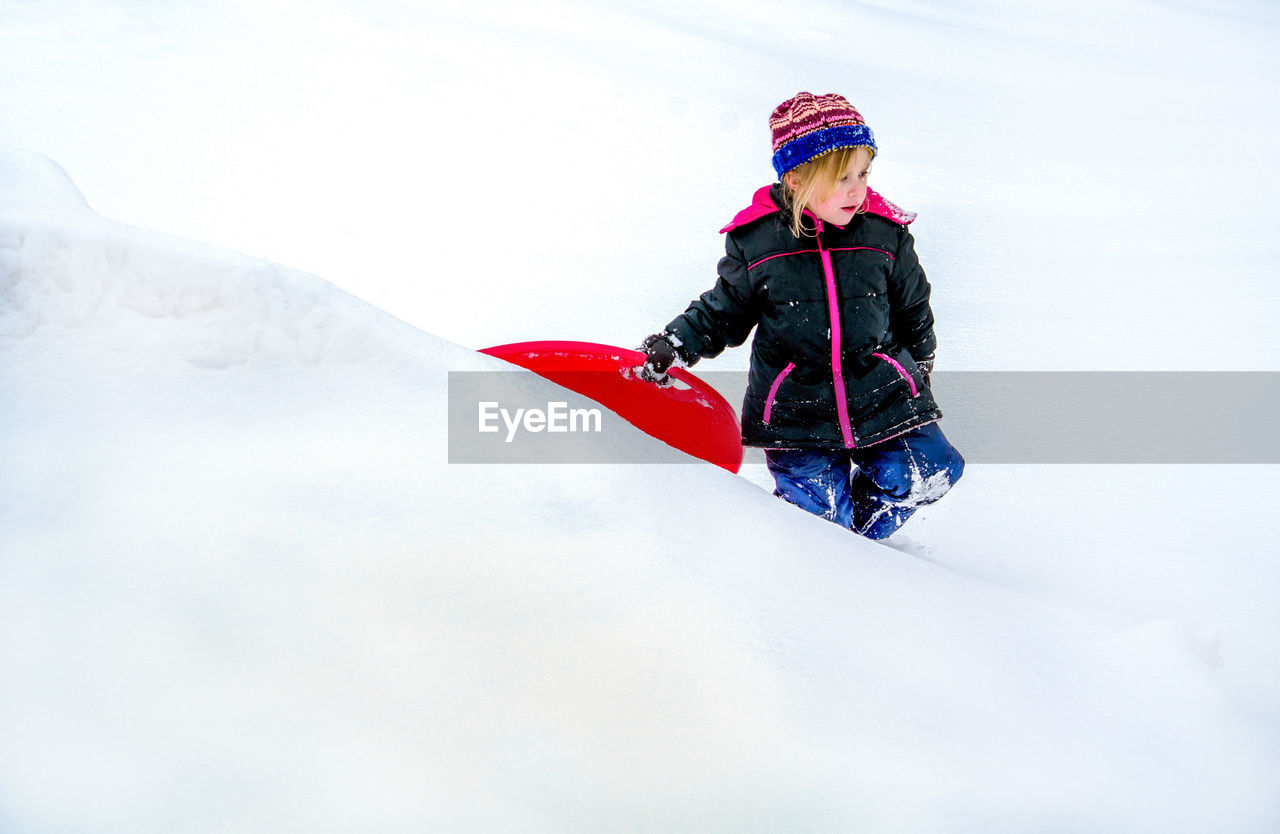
(841, 315)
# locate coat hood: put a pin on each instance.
(762, 205)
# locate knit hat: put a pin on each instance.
(807, 126)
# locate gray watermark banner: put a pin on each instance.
(1112, 417)
(1065, 417)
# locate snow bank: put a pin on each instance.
(240, 589)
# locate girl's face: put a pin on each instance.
(851, 189)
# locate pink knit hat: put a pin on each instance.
(806, 127)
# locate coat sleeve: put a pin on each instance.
(911, 317)
(723, 316)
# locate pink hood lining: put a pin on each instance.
(762, 205)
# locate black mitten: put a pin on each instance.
(660, 355)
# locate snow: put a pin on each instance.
(241, 588)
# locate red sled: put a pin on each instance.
(689, 415)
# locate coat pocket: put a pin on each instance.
(897, 366)
(773, 390)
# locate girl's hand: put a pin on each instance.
(659, 356)
(926, 368)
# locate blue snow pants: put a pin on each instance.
(872, 490)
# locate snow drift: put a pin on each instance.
(240, 589)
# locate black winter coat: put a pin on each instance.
(861, 282)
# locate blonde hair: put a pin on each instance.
(817, 178)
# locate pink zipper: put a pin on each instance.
(901, 371)
(773, 390)
(833, 310)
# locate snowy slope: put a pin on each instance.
(243, 590)
(240, 588)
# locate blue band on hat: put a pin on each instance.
(813, 145)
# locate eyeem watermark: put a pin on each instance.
(556, 417)
(519, 417)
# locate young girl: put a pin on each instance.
(825, 270)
